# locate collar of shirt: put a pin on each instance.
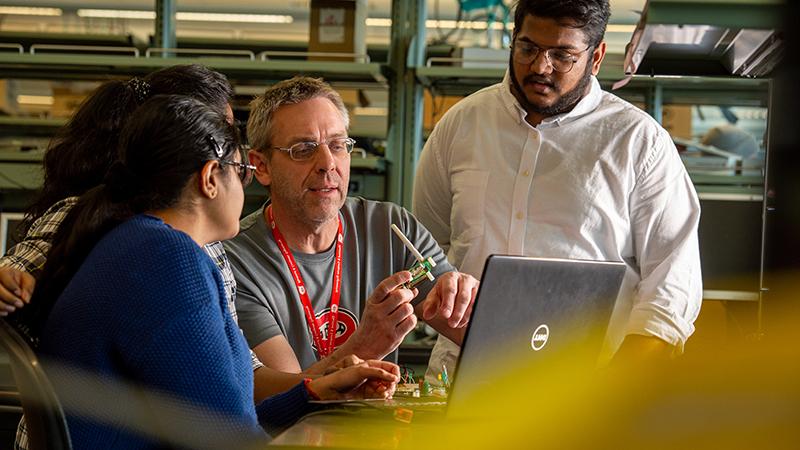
(585, 106)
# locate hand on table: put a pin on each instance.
(16, 289)
(359, 379)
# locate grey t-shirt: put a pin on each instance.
(267, 300)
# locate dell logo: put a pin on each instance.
(540, 336)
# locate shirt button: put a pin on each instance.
(526, 173)
(519, 216)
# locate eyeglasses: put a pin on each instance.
(303, 151)
(245, 171)
(560, 60)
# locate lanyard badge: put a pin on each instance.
(324, 348)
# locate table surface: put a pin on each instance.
(359, 426)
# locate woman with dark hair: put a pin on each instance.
(79, 157)
(77, 160)
(130, 295)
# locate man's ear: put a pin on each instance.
(261, 161)
(597, 57)
(209, 179)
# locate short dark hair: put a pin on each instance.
(589, 15)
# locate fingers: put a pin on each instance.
(365, 372)
(26, 284)
(349, 360)
(401, 313)
(8, 301)
(10, 290)
(388, 285)
(406, 326)
(468, 314)
(442, 297)
(463, 300)
(378, 389)
(385, 365)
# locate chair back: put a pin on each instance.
(44, 416)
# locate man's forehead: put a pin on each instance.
(550, 32)
(325, 118)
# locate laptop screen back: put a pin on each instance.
(534, 308)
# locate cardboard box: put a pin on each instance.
(434, 108)
(338, 26)
(677, 119)
(65, 102)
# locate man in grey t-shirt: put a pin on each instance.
(290, 249)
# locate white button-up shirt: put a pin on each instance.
(601, 182)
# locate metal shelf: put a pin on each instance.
(459, 81)
(99, 67)
(29, 126)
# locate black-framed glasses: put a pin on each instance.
(303, 151)
(560, 60)
(244, 170)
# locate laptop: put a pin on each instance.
(531, 308)
(535, 309)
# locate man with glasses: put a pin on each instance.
(547, 164)
(321, 275)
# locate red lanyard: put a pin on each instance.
(323, 349)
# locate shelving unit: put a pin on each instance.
(405, 73)
(100, 67)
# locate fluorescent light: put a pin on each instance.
(481, 25)
(449, 24)
(219, 17)
(378, 22)
(116, 14)
(370, 111)
(26, 11)
(186, 16)
(39, 100)
(620, 28)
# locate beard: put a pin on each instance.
(564, 103)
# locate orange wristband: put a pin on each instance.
(311, 393)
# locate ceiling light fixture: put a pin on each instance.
(38, 100)
(620, 28)
(27, 11)
(116, 14)
(245, 18)
(186, 16)
(478, 25)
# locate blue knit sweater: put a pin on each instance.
(147, 307)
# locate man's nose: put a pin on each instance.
(324, 158)
(541, 63)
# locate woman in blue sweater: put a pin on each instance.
(133, 299)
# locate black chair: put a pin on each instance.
(46, 425)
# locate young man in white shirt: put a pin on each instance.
(547, 164)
